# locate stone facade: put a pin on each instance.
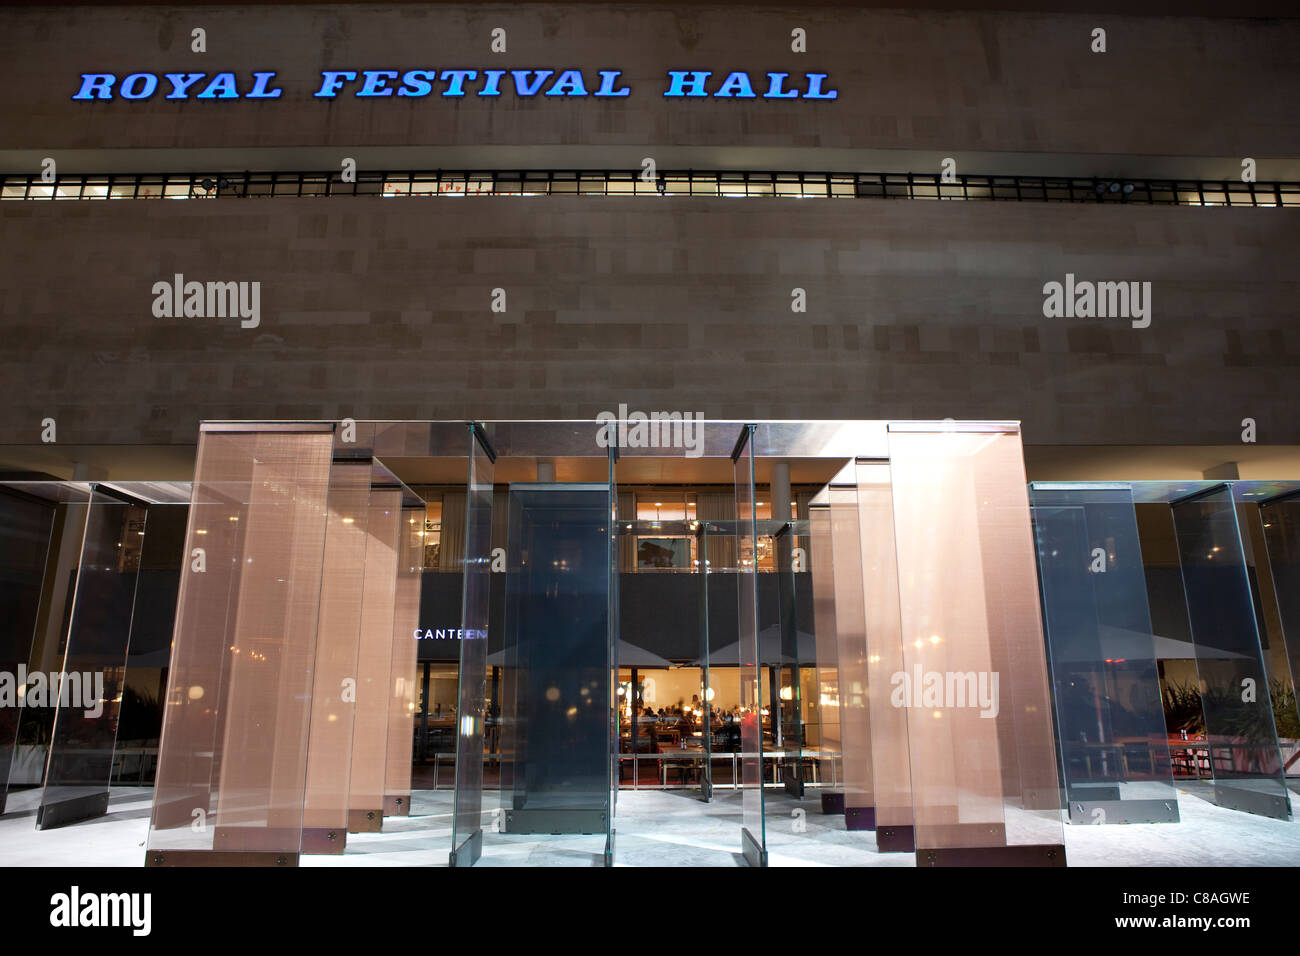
(382, 308)
(930, 84)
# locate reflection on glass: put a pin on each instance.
(825, 700)
(891, 769)
(1241, 734)
(974, 680)
(1279, 521)
(476, 562)
(402, 677)
(243, 651)
(94, 663)
(25, 528)
(612, 641)
(556, 690)
(374, 661)
(851, 655)
(707, 695)
(785, 712)
(329, 753)
(753, 832)
(1109, 712)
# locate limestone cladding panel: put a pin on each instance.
(381, 308)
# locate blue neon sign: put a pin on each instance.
(453, 83)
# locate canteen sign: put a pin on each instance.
(366, 84)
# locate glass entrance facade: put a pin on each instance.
(882, 624)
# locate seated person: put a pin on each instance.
(683, 725)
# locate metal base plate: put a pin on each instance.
(324, 841)
(470, 849)
(895, 839)
(1039, 854)
(1123, 811)
(63, 812)
(832, 802)
(556, 821)
(755, 855)
(859, 818)
(398, 805)
(1276, 805)
(365, 821)
(218, 858)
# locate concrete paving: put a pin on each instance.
(666, 828)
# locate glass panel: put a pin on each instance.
(232, 767)
(556, 751)
(402, 677)
(139, 722)
(612, 646)
(1247, 497)
(851, 655)
(329, 750)
(1239, 727)
(891, 764)
(26, 525)
(31, 750)
(476, 566)
(974, 679)
(94, 664)
(1280, 520)
(786, 705)
(1109, 712)
(374, 660)
(707, 694)
(753, 833)
(827, 702)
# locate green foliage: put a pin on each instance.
(1182, 704)
(1185, 710)
(1285, 712)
